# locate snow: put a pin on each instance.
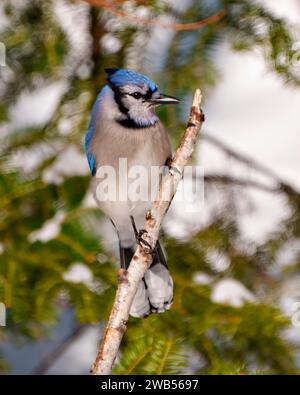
(79, 273)
(202, 278)
(71, 162)
(26, 160)
(290, 294)
(35, 108)
(64, 126)
(110, 43)
(74, 20)
(4, 21)
(231, 292)
(218, 260)
(288, 9)
(289, 302)
(50, 229)
(288, 253)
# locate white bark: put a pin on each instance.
(129, 280)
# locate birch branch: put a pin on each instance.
(142, 259)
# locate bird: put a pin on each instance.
(124, 126)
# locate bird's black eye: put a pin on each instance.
(137, 95)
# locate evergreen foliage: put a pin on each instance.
(197, 335)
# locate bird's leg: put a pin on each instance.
(139, 235)
(123, 269)
(122, 257)
(160, 256)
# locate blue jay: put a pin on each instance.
(124, 125)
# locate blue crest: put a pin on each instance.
(121, 77)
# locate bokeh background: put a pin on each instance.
(235, 261)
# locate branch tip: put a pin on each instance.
(197, 99)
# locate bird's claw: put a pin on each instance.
(174, 170)
(140, 239)
(139, 235)
(171, 168)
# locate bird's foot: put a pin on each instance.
(139, 236)
(175, 170)
(140, 239)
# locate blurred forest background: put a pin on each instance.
(235, 263)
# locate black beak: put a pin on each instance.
(164, 99)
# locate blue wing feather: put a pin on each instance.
(89, 155)
(90, 134)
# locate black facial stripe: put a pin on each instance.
(117, 97)
(148, 94)
(121, 106)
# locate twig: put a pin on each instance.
(129, 281)
(229, 180)
(283, 186)
(241, 158)
(112, 7)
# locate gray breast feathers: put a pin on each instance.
(146, 146)
(140, 147)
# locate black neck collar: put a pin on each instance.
(131, 124)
